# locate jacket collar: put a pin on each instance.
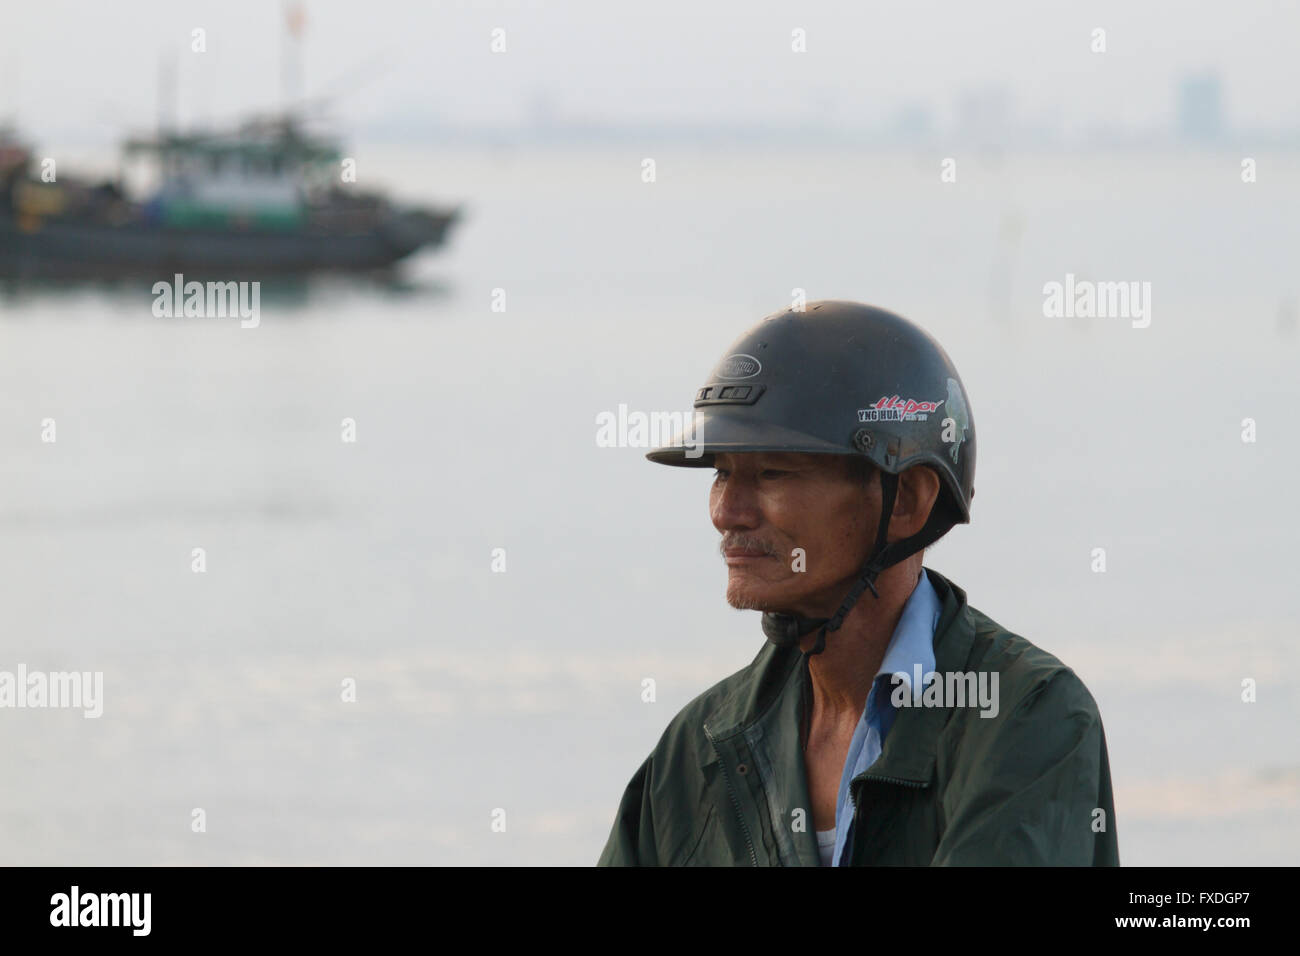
(909, 752)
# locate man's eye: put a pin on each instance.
(719, 474)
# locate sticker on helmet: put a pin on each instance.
(958, 416)
(892, 408)
(739, 366)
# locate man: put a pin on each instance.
(903, 728)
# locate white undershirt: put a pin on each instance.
(826, 845)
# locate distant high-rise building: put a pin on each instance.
(911, 122)
(984, 114)
(1200, 107)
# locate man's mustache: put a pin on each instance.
(744, 542)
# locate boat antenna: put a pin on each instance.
(166, 93)
(294, 22)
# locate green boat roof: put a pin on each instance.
(262, 140)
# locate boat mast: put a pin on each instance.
(294, 22)
(167, 94)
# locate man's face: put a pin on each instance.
(767, 504)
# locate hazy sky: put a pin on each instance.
(84, 70)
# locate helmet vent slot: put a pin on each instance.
(724, 393)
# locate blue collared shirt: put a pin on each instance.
(911, 644)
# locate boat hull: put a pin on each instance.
(63, 249)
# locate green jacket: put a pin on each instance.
(726, 786)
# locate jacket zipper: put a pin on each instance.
(905, 783)
(735, 801)
(898, 780)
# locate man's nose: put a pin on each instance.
(734, 505)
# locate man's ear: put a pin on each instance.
(918, 491)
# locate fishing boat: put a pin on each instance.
(266, 197)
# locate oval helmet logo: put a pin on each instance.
(740, 366)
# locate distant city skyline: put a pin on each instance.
(1014, 72)
(988, 116)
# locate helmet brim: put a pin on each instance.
(716, 434)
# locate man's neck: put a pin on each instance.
(842, 674)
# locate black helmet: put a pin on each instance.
(840, 378)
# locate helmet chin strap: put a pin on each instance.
(786, 629)
(783, 630)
